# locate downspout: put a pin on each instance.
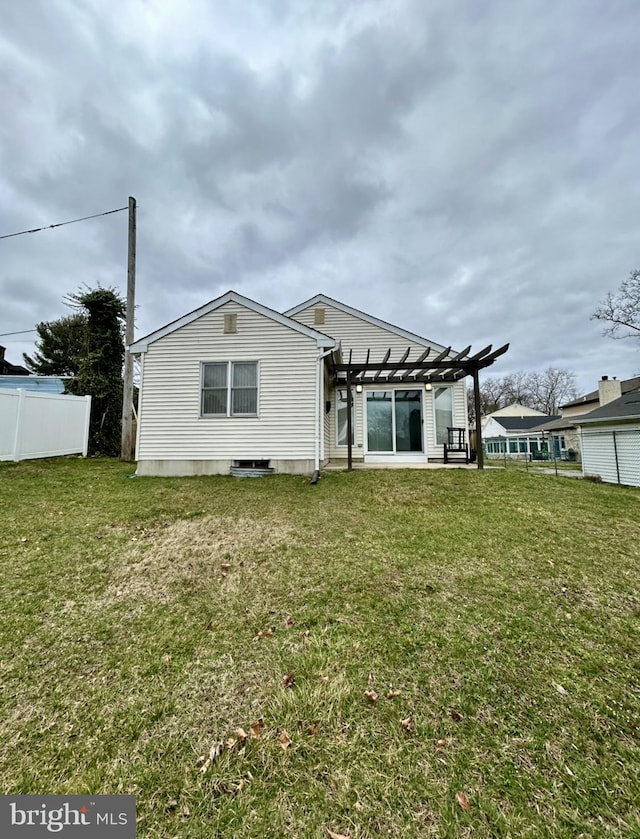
(316, 472)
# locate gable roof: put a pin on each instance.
(142, 344)
(521, 423)
(350, 310)
(625, 407)
(594, 395)
(559, 424)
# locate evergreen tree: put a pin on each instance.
(100, 370)
(61, 346)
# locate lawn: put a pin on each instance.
(409, 654)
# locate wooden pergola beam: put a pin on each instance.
(439, 369)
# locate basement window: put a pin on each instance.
(251, 464)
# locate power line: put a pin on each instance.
(21, 332)
(62, 223)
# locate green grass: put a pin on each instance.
(145, 621)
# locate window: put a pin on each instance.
(230, 389)
(341, 418)
(443, 409)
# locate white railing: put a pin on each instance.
(42, 424)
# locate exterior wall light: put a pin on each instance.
(358, 388)
(427, 386)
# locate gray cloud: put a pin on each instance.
(465, 170)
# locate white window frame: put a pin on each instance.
(344, 445)
(229, 402)
(394, 453)
(450, 387)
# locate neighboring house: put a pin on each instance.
(516, 436)
(41, 384)
(567, 425)
(611, 440)
(8, 369)
(236, 384)
(513, 410)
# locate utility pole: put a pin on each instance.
(127, 445)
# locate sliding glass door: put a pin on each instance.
(394, 421)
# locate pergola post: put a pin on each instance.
(476, 403)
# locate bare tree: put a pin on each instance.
(550, 389)
(545, 391)
(621, 309)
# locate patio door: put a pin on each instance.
(394, 423)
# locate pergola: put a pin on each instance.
(443, 367)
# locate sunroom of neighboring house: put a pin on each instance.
(519, 438)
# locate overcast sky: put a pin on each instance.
(466, 169)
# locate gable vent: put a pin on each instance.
(230, 323)
(318, 316)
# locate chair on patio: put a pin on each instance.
(456, 444)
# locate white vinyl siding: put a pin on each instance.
(360, 335)
(171, 426)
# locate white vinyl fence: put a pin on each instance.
(42, 424)
(613, 454)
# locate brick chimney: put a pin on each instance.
(2, 352)
(608, 390)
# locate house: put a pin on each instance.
(8, 369)
(513, 410)
(518, 436)
(567, 426)
(40, 384)
(611, 440)
(236, 384)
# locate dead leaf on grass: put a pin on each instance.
(224, 566)
(231, 743)
(166, 658)
(289, 680)
(371, 695)
(256, 728)
(264, 633)
(185, 811)
(214, 752)
(288, 622)
(463, 801)
(407, 724)
(455, 715)
(443, 742)
(241, 734)
(333, 835)
(312, 729)
(560, 689)
(392, 694)
(285, 740)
